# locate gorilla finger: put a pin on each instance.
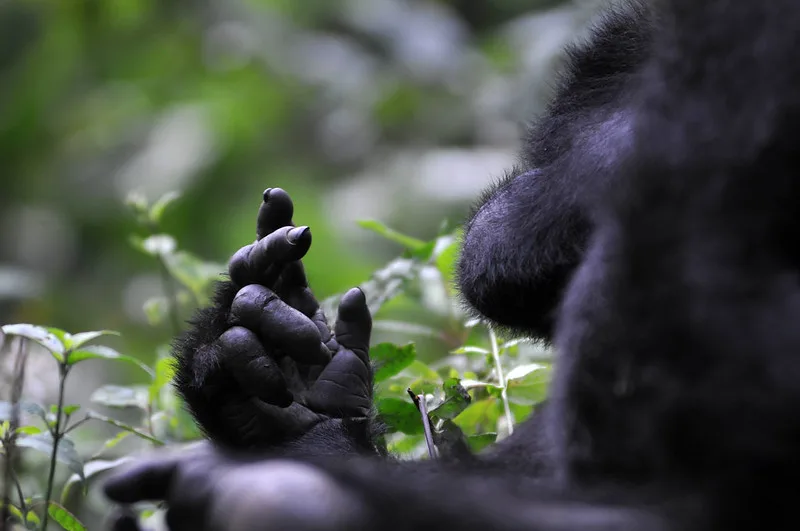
(299, 298)
(146, 480)
(275, 212)
(264, 261)
(258, 375)
(124, 519)
(292, 286)
(345, 384)
(354, 323)
(239, 266)
(325, 331)
(272, 253)
(292, 420)
(276, 323)
(191, 494)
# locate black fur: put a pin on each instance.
(649, 231)
(529, 232)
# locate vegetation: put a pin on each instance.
(475, 394)
(360, 109)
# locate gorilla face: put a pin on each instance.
(517, 257)
(525, 239)
(528, 233)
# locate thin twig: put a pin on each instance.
(422, 406)
(18, 485)
(501, 380)
(78, 423)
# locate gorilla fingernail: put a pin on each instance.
(294, 235)
(266, 194)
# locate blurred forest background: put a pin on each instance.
(396, 110)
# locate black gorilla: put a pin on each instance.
(649, 228)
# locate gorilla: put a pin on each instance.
(648, 231)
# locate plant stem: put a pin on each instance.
(22, 505)
(501, 380)
(10, 444)
(56, 434)
(77, 423)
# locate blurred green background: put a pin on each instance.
(396, 110)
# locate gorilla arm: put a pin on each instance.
(209, 490)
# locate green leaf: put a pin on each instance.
(62, 335)
(405, 444)
(456, 400)
(390, 359)
(34, 522)
(531, 388)
(513, 343)
(446, 258)
(91, 469)
(118, 396)
(451, 441)
(78, 340)
(475, 384)
(66, 453)
(165, 371)
(29, 430)
(481, 441)
(413, 244)
(479, 416)
(471, 350)
(419, 370)
(158, 208)
(383, 285)
(39, 335)
(70, 409)
(520, 412)
(14, 511)
(30, 408)
(419, 377)
(400, 415)
(65, 519)
(107, 353)
(118, 438)
(522, 371)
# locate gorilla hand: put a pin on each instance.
(206, 490)
(261, 369)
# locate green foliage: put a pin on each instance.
(389, 359)
(399, 415)
(51, 436)
(64, 518)
(469, 403)
(412, 244)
